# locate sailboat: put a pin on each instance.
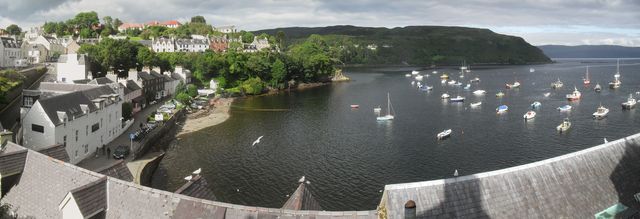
(586, 80)
(389, 116)
(616, 78)
(630, 104)
(598, 88)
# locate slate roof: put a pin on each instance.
(197, 187)
(9, 42)
(145, 76)
(132, 85)
(302, 200)
(45, 182)
(82, 81)
(57, 151)
(167, 78)
(12, 160)
(576, 185)
(70, 102)
(146, 43)
(118, 170)
(188, 42)
(156, 74)
(91, 198)
(101, 80)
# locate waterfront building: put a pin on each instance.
(72, 67)
(163, 45)
(10, 52)
(82, 117)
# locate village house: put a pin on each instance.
(167, 24)
(152, 83)
(130, 26)
(10, 52)
(72, 47)
(52, 46)
(170, 84)
(181, 74)
(81, 117)
(163, 45)
(72, 67)
(133, 94)
(191, 45)
(226, 29)
(218, 44)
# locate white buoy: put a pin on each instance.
(455, 173)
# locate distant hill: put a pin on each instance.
(590, 51)
(418, 45)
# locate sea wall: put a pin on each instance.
(160, 137)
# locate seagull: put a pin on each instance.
(188, 178)
(257, 140)
(605, 140)
(301, 180)
(455, 173)
(197, 172)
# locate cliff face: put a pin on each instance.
(418, 45)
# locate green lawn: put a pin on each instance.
(135, 38)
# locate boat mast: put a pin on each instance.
(388, 104)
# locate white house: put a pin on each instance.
(71, 67)
(10, 52)
(51, 44)
(226, 29)
(82, 120)
(170, 84)
(182, 74)
(163, 45)
(192, 45)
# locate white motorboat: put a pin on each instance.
(547, 94)
(389, 115)
(514, 85)
(500, 94)
(479, 92)
(557, 84)
(444, 76)
(443, 81)
(616, 78)
(598, 88)
(467, 87)
(426, 88)
(457, 99)
(419, 77)
(414, 72)
(536, 105)
(502, 109)
(532, 70)
(630, 103)
(407, 75)
(565, 108)
(458, 84)
(601, 112)
(434, 72)
(476, 79)
(445, 96)
(444, 134)
(452, 82)
(564, 126)
(575, 95)
(476, 104)
(529, 115)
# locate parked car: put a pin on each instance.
(121, 152)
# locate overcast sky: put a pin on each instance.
(568, 22)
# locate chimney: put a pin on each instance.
(156, 69)
(410, 210)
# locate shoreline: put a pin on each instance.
(217, 113)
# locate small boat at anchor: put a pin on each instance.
(476, 104)
(445, 96)
(575, 95)
(457, 99)
(616, 78)
(586, 80)
(444, 134)
(389, 115)
(565, 108)
(426, 88)
(564, 126)
(479, 92)
(601, 112)
(630, 103)
(444, 76)
(452, 82)
(598, 88)
(557, 84)
(529, 115)
(514, 85)
(407, 75)
(502, 109)
(500, 94)
(467, 87)
(419, 77)
(536, 105)
(547, 94)
(355, 106)
(414, 72)
(475, 80)
(443, 81)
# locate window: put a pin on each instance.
(76, 153)
(95, 127)
(37, 128)
(76, 135)
(86, 148)
(64, 140)
(86, 131)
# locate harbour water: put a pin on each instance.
(348, 156)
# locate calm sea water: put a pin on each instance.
(349, 156)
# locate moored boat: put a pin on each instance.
(564, 126)
(586, 80)
(565, 108)
(529, 115)
(426, 88)
(616, 83)
(601, 112)
(467, 87)
(476, 79)
(355, 106)
(443, 81)
(407, 75)
(445, 96)
(502, 109)
(598, 88)
(547, 94)
(452, 82)
(389, 115)
(476, 104)
(575, 95)
(557, 84)
(514, 85)
(536, 105)
(444, 134)
(419, 77)
(500, 94)
(479, 92)
(444, 76)
(414, 72)
(457, 99)
(630, 103)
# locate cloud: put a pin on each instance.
(538, 21)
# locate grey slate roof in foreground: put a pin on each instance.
(576, 185)
(45, 182)
(57, 151)
(118, 170)
(302, 200)
(197, 188)
(91, 198)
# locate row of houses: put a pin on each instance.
(136, 26)
(201, 43)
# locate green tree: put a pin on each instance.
(192, 90)
(252, 86)
(84, 20)
(116, 23)
(14, 29)
(86, 33)
(127, 111)
(50, 27)
(183, 98)
(146, 57)
(198, 19)
(247, 37)
(108, 21)
(278, 73)
(280, 36)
